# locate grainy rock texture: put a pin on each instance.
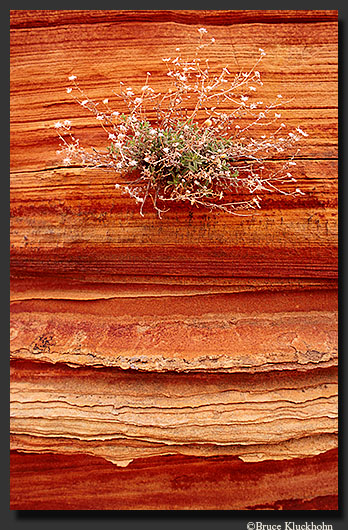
(192, 358)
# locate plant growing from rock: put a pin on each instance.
(195, 142)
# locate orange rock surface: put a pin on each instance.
(189, 357)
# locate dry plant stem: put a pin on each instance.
(195, 151)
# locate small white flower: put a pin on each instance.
(133, 163)
(202, 31)
(244, 98)
(69, 90)
(212, 40)
(277, 115)
(105, 101)
(117, 186)
(99, 117)
(252, 88)
(58, 125)
(263, 53)
(67, 161)
(279, 96)
(112, 136)
(72, 77)
(84, 102)
(67, 123)
(137, 101)
(301, 131)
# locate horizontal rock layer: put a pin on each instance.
(173, 483)
(227, 331)
(42, 18)
(175, 409)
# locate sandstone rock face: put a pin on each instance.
(188, 362)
